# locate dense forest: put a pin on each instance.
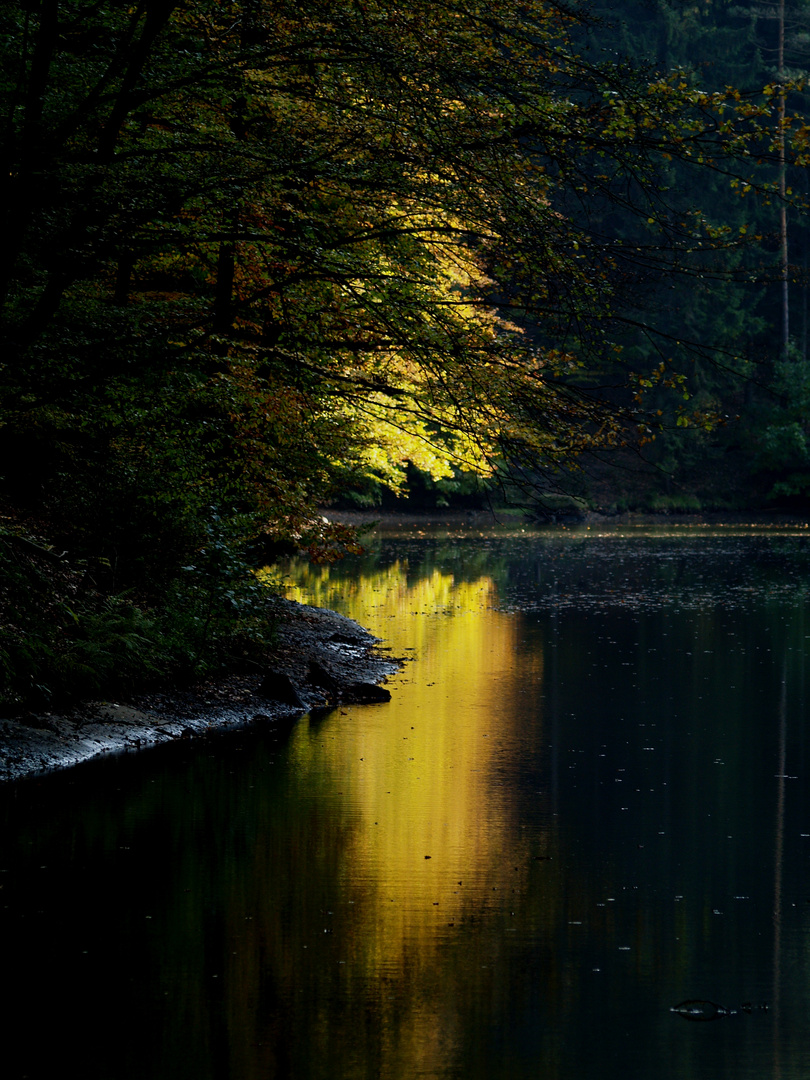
(262, 257)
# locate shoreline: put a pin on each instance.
(384, 521)
(322, 660)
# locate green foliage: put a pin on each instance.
(111, 648)
(781, 450)
(62, 639)
(675, 504)
(782, 445)
(217, 613)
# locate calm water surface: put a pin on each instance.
(587, 803)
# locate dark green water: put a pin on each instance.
(587, 802)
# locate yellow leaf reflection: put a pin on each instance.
(434, 840)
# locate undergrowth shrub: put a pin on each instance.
(62, 640)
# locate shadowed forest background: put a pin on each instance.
(266, 257)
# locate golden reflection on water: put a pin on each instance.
(434, 840)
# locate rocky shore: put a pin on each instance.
(321, 660)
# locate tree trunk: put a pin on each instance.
(783, 231)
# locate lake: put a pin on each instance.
(586, 804)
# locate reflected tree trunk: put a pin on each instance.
(777, 871)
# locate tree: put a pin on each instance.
(259, 249)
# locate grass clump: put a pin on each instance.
(675, 504)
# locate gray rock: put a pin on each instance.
(278, 686)
(319, 676)
(361, 693)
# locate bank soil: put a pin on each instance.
(321, 660)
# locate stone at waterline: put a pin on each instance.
(696, 1009)
(277, 686)
(320, 712)
(319, 676)
(701, 1010)
(361, 693)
